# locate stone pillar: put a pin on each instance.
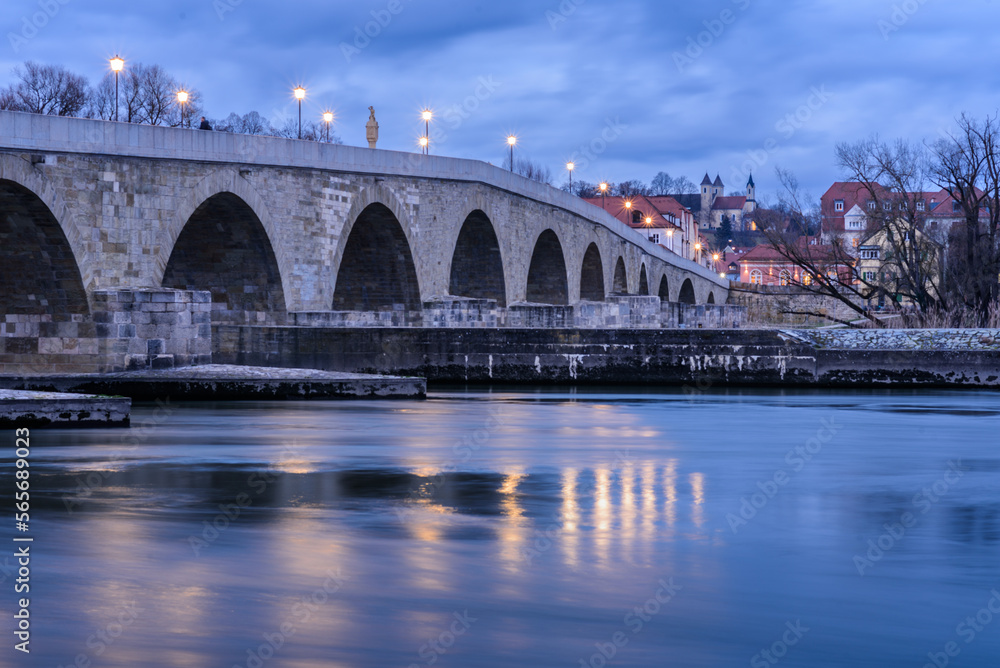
(153, 328)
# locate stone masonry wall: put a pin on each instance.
(900, 339)
(777, 305)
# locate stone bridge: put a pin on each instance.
(97, 217)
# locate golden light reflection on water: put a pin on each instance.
(629, 511)
(513, 531)
(670, 492)
(570, 518)
(648, 509)
(602, 514)
(697, 481)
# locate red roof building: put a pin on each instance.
(663, 219)
(765, 265)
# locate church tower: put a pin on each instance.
(706, 194)
(751, 195)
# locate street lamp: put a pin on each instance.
(628, 209)
(604, 193)
(649, 221)
(423, 145)
(182, 98)
(427, 115)
(511, 141)
(117, 65)
(697, 247)
(570, 166)
(300, 94)
(328, 118)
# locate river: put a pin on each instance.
(521, 528)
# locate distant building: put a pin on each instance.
(845, 207)
(712, 204)
(663, 220)
(764, 265)
(878, 268)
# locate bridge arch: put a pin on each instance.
(219, 182)
(711, 298)
(620, 284)
(39, 273)
(592, 275)
(477, 267)
(376, 264)
(548, 282)
(664, 290)
(643, 281)
(225, 249)
(687, 293)
(19, 172)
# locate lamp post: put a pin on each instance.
(117, 65)
(570, 166)
(604, 194)
(427, 115)
(628, 212)
(697, 247)
(511, 140)
(328, 118)
(182, 98)
(300, 94)
(423, 145)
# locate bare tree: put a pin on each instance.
(664, 184)
(46, 89)
(968, 168)
(894, 178)
(825, 270)
(530, 169)
(631, 188)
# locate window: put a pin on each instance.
(756, 277)
(753, 226)
(638, 216)
(871, 205)
(887, 206)
(838, 205)
(655, 237)
(869, 253)
(955, 206)
(832, 275)
(854, 242)
(869, 276)
(921, 205)
(807, 279)
(784, 278)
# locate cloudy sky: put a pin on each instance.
(627, 88)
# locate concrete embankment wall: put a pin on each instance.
(698, 358)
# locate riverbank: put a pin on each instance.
(21, 408)
(735, 357)
(221, 383)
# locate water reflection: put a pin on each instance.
(375, 491)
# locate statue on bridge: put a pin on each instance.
(372, 128)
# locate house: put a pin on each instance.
(878, 267)
(711, 205)
(845, 209)
(765, 265)
(663, 219)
